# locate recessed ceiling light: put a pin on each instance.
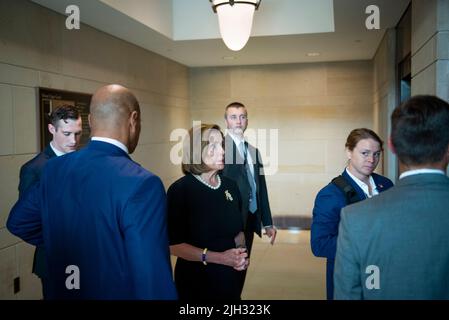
(313, 54)
(228, 58)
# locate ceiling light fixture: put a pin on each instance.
(235, 19)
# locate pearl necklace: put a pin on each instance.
(198, 177)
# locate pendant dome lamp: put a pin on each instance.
(235, 19)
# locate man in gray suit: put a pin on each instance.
(395, 245)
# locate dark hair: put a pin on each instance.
(420, 130)
(234, 104)
(192, 160)
(63, 112)
(359, 134)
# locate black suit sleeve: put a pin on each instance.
(28, 177)
(264, 205)
(25, 220)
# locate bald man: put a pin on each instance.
(106, 237)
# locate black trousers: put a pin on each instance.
(249, 230)
(249, 237)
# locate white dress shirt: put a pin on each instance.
(420, 171)
(111, 141)
(56, 151)
(239, 142)
(364, 186)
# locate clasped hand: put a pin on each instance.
(236, 258)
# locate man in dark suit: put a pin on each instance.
(394, 246)
(104, 227)
(66, 128)
(243, 164)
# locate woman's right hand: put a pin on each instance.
(236, 258)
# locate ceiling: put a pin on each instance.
(284, 31)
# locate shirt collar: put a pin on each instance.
(420, 171)
(111, 141)
(238, 140)
(363, 185)
(56, 151)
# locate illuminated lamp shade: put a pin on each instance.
(235, 19)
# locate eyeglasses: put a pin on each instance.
(241, 117)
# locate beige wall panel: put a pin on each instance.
(443, 45)
(158, 123)
(18, 76)
(30, 284)
(210, 83)
(7, 239)
(424, 22)
(155, 158)
(425, 81)
(425, 56)
(442, 84)
(279, 80)
(25, 123)
(9, 176)
(82, 56)
(443, 15)
(177, 80)
(8, 271)
(36, 40)
(6, 120)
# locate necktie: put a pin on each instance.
(251, 181)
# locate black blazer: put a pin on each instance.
(30, 174)
(235, 169)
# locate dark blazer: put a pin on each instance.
(326, 217)
(30, 174)
(98, 210)
(235, 170)
(404, 233)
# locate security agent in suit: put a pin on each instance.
(106, 235)
(66, 127)
(243, 164)
(394, 246)
(363, 150)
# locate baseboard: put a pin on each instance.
(292, 222)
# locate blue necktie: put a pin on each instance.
(252, 182)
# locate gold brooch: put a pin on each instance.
(228, 196)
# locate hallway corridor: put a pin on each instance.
(286, 271)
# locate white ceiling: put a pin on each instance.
(284, 31)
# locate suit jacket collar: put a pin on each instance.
(48, 151)
(379, 184)
(377, 180)
(423, 178)
(356, 187)
(106, 148)
(236, 157)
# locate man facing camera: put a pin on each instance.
(101, 216)
(66, 128)
(394, 246)
(243, 164)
